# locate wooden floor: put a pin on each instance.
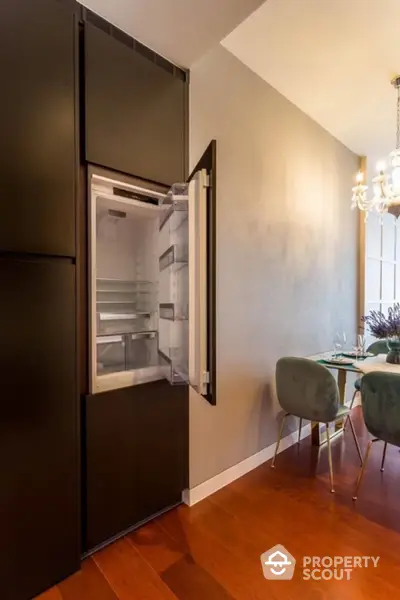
(212, 550)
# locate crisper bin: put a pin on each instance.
(141, 350)
(110, 354)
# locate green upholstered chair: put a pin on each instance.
(380, 401)
(378, 347)
(309, 391)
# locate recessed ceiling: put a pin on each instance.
(332, 58)
(180, 30)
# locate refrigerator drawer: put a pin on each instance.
(141, 350)
(110, 354)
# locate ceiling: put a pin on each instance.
(332, 58)
(180, 30)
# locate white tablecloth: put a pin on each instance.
(376, 363)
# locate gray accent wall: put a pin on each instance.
(286, 251)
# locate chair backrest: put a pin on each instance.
(378, 347)
(306, 389)
(380, 399)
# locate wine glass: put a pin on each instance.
(361, 344)
(358, 346)
(339, 342)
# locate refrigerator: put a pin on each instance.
(149, 282)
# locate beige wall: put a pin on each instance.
(286, 251)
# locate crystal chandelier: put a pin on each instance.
(386, 185)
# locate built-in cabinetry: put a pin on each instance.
(39, 458)
(38, 127)
(77, 93)
(151, 336)
(39, 417)
(136, 456)
(135, 109)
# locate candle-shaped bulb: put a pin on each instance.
(360, 177)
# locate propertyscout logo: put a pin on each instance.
(278, 563)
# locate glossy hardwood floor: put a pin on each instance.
(212, 550)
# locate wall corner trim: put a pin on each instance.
(202, 491)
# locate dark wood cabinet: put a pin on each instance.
(136, 456)
(135, 111)
(38, 127)
(39, 458)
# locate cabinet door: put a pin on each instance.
(110, 465)
(136, 456)
(163, 445)
(39, 461)
(135, 111)
(37, 123)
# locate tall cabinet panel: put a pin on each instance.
(37, 123)
(39, 462)
(137, 453)
(135, 110)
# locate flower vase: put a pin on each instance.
(393, 356)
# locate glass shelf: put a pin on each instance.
(109, 316)
(125, 306)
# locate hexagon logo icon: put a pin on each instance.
(278, 563)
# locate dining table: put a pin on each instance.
(347, 365)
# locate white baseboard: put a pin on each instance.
(198, 493)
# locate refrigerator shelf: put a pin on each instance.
(109, 316)
(118, 339)
(106, 302)
(131, 282)
(109, 339)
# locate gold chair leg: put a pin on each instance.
(362, 470)
(351, 406)
(279, 439)
(328, 437)
(300, 424)
(353, 398)
(355, 439)
(383, 457)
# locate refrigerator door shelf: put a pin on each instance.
(174, 312)
(175, 216)
(174, 365)
(175, 257)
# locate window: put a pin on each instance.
(382, 265)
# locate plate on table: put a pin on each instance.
(359, 356)
(340, 360)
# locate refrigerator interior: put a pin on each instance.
(139, 286)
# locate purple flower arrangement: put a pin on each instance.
(382, 326)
